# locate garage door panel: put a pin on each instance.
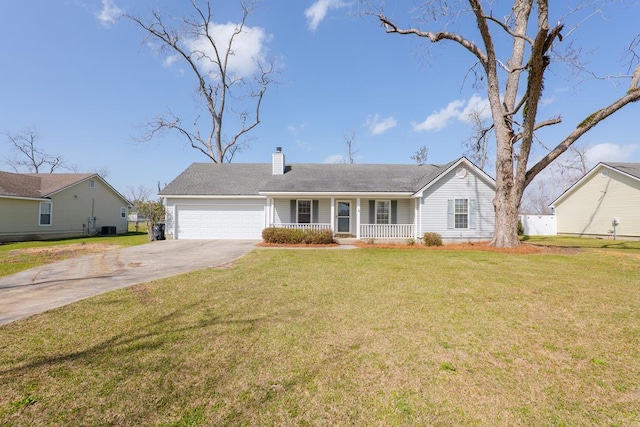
(220, 221)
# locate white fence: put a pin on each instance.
(316, 226)
(539, 225)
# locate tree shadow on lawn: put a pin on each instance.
(128, 343)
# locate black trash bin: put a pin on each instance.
(158, 232)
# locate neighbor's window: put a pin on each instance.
(304, 211)
(461, 213)
(45, 213)
(123, 212)
(92, 183)
(383, 211)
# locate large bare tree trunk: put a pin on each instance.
(514, 106)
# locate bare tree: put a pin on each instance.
(349, 137)
(555, 179)
(135, 194)
(28, 157)
(477, 146)
(103, 171)
(209, 53)
(514, 82)
(421, 155)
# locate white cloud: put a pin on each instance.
(248, 47)
(295, 130)
(460, 110)
(440, 119)
(609, 152)
(379, 126)
(318, 11)
(170, 60)
(110, 13)
(335, 158)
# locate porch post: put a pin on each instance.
(333, 216)
(417, 221)
(269, 215)
(358, 218)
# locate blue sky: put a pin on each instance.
(88, 83)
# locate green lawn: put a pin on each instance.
(342, 337)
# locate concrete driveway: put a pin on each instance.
(54, 285)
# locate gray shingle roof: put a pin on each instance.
(629, 168)
(253, 178)
(228, 179)
(37, 185)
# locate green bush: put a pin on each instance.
(520, 228)
(432, 239)
(293, 236)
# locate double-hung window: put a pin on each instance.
(383, 211)
(304, 211)
(461, 214)
(461, 219)
(45, 213)
(123, 212)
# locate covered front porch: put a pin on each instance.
(379, 216)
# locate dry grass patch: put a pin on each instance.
(19, 256)
(317, 337)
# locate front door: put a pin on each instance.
(344, 217)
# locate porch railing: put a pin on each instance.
(387, 231)
(315, 226)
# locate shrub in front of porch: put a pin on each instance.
(293, 236)
(432, 239)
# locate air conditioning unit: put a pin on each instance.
(108, 231)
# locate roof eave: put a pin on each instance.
(39, 199)
(211, 196)
(336, 193)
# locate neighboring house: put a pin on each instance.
(237, 201)
(609, 193)
(58, 205)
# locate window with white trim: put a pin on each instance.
(461, 213)
(44, 218)
(383, 211)
(92, 183)
(123, 212)
(304, 211)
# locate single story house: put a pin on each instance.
(59, 205)
(365, 201)
(605, 202)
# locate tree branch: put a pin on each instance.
(632, 95)
(434, 37)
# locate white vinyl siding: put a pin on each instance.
(404, 211)
(437, 208)
(282, 211)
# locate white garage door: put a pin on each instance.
(220, 221)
